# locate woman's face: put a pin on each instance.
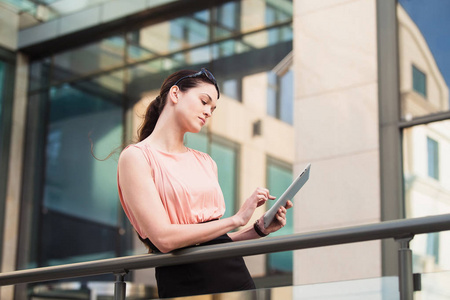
(195, 106)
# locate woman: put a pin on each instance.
(171, 194)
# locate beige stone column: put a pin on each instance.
(13, 189)
(336, 128)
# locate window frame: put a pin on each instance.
(280, 70)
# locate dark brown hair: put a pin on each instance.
(157, 105)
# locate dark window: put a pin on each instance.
(419, 81)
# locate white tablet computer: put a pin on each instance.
(289, 194)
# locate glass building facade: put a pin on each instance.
(86, 102)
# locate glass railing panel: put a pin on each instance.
(385, 288)
(434, 286)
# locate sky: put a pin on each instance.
(433, 19)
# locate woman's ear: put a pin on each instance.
(173, 94)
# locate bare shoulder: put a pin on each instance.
(131, 156)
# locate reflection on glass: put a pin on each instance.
(80, 193)
(434, 286)
(46, 10)
(227, 20)
(426, 161)
(278, 12)
(170, 36)
(87, 87)
(423, 57)
(99, 56)
(279, 177)
(231, 88)
(264, 13)
(268, 37)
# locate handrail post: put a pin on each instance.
(405, 274)
(120, 286)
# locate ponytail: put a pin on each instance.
(151, 117)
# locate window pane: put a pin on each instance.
(257, 14)
(80, 192)
(433, 158)
(426, 163)
(424, 57)
(227, 19)
(278, 180)
(272, 94)
(287, 97)
(98, 56)
(280, 96)
(419, 81)
(433, 246)
(231, 88)
(225, 158)
(170, 36)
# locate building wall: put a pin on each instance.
(414, 50)
(336, 129)
(9, 25)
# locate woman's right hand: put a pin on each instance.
(258, 198)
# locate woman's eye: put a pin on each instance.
(204, 102)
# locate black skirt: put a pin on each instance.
(209, 277)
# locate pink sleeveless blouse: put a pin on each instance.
(187, 184)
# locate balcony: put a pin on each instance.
(401, 287)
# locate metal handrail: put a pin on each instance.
(400, 230)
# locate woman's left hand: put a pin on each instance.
(278, 222)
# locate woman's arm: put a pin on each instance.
(142, 198)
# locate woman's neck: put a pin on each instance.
(167, 137)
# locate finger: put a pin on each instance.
(263, 193)
(289, 204)
(266, 193)
(281, 220)
(272, 197)
(281, 214)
